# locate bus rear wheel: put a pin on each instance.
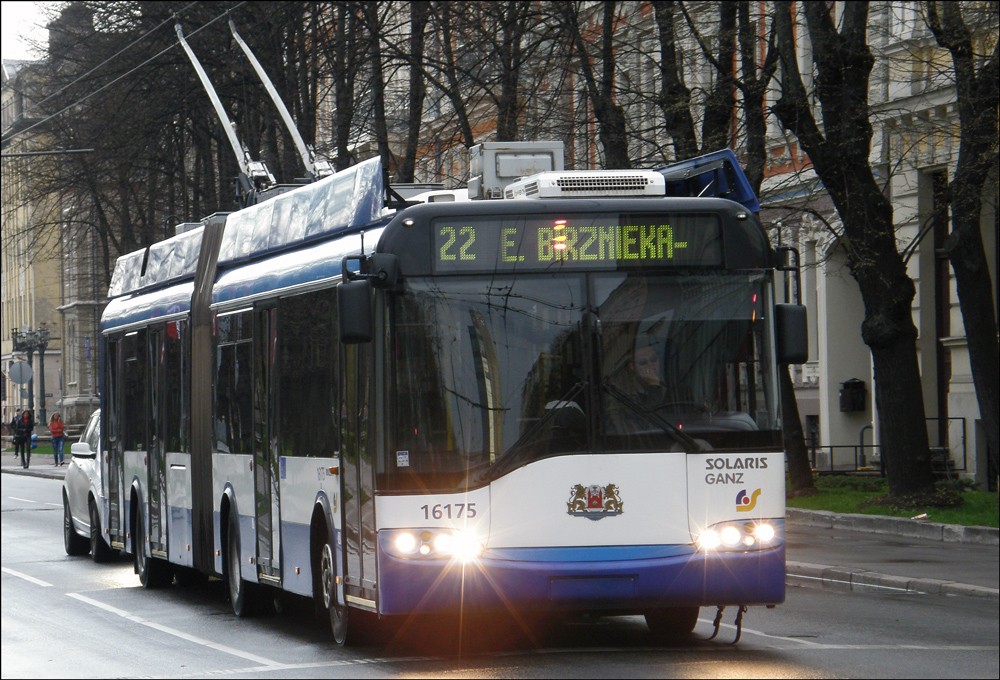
(669, 623)
(238, 589)
(328, 580)
(153, 572)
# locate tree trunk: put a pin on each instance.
(840, 155)
(968, 260)
(799, 470)
(977, 163)
(610, 117)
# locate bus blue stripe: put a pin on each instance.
(619, 585)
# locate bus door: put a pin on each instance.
(265, 447)
(156, 483)
(356, 474)
(112, 440)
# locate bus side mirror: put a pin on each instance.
(384, 270)
(351, 267)
(791, 334)
(354, 311)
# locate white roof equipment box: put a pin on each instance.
(588, 184)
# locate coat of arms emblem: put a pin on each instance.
(594, 501)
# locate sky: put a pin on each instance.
(19, 18)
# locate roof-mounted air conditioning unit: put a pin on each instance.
(588, 184)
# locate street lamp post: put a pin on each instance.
(29, 342)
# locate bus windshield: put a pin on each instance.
(492, 372)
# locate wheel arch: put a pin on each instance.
(321, 529)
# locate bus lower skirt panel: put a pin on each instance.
(626, 586)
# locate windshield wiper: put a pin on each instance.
(691, 445)
(513, 456)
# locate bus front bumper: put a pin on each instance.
(611, 580)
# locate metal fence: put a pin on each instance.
(948, 448)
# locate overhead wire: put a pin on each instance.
(123, 75)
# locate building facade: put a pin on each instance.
(31, 332)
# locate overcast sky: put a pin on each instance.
(20, 19)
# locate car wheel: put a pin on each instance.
(74, 543)
(671, 623)
(99, 550)
(153, 572)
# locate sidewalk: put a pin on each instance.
(869, 553)
(861, 553)
(40, 463)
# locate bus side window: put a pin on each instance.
(307, 368)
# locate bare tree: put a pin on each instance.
(419, 17)
(839, 151)
(674, 97)
(600, 89)
(339, 44)
(373, 14)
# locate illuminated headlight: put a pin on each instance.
(461, 545)
(738, 536)
(405, 543)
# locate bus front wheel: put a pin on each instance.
(672, 622)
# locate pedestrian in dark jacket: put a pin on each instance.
(23, 428)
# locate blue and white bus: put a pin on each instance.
(428, 408)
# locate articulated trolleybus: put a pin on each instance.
(563, 400)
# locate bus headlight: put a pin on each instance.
(405, 543)
(433, 544)
(739, 536)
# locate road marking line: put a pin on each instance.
(23, 500)
(176, 633)
(32, 579)
(339, 663)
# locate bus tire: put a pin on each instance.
(74, 543)
(153, 572)
(236, 587)
(99, 550)
(339, 617)
(670, 623)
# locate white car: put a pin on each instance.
(83, 497)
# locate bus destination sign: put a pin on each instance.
(578, 242)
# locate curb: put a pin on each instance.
(898, 526)
(862, 580)
(31, 472)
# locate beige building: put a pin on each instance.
(32, 328)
